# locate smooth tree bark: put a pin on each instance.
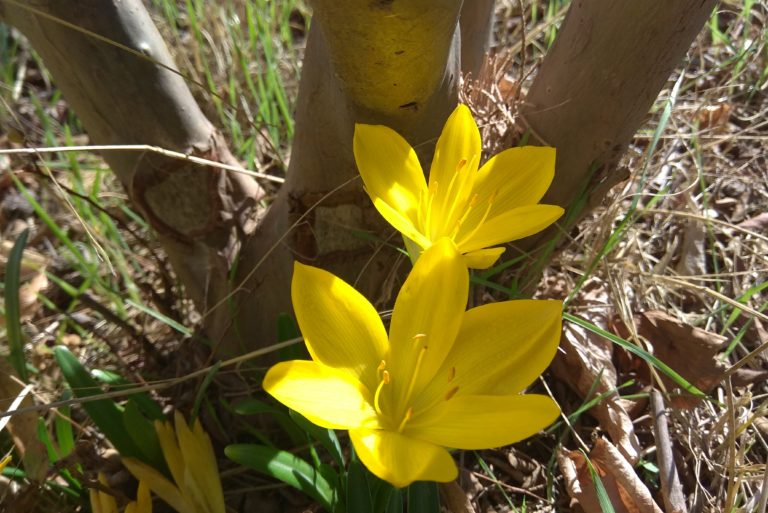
(596, 86)
(126, 92)
(393, 62)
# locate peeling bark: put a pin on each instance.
(128, 94)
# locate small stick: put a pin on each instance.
(672, 490)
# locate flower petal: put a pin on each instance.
(483, 258)
(516, 177)
(327, 397)
(427, 314)
(202, 472)
(159, 484)
(453, 173)
(482, 422)
(390, 169)
(401, 460)
(500, 349)
(511, 225)
(341, 328)
(401, 223)
(170, 446)
(460, 140)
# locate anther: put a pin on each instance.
(451, 393)
(451, 374)
(384, 381)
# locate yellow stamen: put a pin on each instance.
(491, 199)
(384, 381)
(415, 374)
(451, 393)
(408, 416)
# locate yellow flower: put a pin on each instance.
(443, 378)
(192, 462)
(476, 209)
(4, 462)
(102, 502)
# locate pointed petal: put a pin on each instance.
(453, 172)
(400, 460)
(500, 349)
(401, 223)
(170, 446)
(483, 258)
(390, 169)
(511, 225)
(143, 499)
(460, 140)
(327, 397)
(201, 473)
(427, 313)
(341, 328)
(482, 422)
(159, 484)
(516, 177)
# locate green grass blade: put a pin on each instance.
(12, 307)
(602, 493)
(105, 413)
(637, 351)
(423, 496)
(359, 498)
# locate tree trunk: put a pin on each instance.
(385, 62)
(597, 84)
(392, 62)
(130, 95)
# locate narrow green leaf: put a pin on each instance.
(143, 400)
(143, 434)
(602, 493)
(160, 317)
(105, 413)
(202, 389)
(326, 437)
(423, 497)
(12, 308)
(637, 351)
(63, 427)
(285, 467)
(359, 498)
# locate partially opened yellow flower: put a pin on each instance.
(102, 502)
(192, 462)
(475, 209)
(443, 378)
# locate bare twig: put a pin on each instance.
(672, 490)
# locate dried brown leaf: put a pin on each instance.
(585, 359)
(626, 491)
(23, 426)
(691, 351)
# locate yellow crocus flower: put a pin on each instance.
(196, 486)
(477, 209)
(442, 378)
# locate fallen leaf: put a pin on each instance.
(690, 351)
(759, 223)
(626, 491)
(585, 363)
(714, 116)
(23, 426)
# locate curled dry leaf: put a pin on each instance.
(692, 352)
(759, 223)
(626, 491)
(586, 359)
(454, 499)
(714, 116)
(23, 426)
